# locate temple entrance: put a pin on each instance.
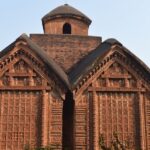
(68, 121)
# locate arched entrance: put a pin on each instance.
(68, 122)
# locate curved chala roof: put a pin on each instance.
(66, 11)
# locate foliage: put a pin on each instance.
(116, 144)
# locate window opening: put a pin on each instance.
(67, 28)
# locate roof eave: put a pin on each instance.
(100, 51)
(50, 63)
(53, 17)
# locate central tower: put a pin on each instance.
(66, 20)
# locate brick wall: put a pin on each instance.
(66, 50)
(56, 26)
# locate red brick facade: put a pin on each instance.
(66, 90)
(73, 47)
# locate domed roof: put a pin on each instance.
(66, 11)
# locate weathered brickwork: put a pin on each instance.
(66, 50)
(116, 105)
(147, 108)
(24, 105)
(55, 123)
(64, 91)
(117, 114)
(81, 121)
(56, 26)
(20, 117)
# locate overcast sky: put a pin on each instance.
(128, 21)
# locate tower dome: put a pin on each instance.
(66, 20)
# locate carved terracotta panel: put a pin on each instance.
(117, 114)
(19, 119)
(22, 75)
(81, 122)
(113, 107)
(147, 108)
(55, 123)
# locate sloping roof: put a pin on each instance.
(86, 64)
(66, 10)
(71, 79)
(51, 65)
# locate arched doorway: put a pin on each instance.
(68, 121)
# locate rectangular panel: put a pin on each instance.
(147, 107)
(55, 124)
(118, 113)
(81, 123)
(19, 119)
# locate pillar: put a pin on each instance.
(44, 119)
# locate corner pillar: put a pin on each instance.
(44, 119)
(95, 121)
(142, 121)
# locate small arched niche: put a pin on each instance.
(67, 28)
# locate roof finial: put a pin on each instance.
(66, 2)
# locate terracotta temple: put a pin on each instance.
(66, 88)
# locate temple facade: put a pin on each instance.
(65, 89)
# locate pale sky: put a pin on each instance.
(125, 20)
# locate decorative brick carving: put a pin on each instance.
(81, 122)
(18, 123)
(21, 67)
(20, 107)
(5, 80)
(114, 106)
(112, 97)
(147, 108)
(55, 122)
(117, 114)
(22, 75)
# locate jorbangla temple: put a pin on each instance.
(66, 88)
